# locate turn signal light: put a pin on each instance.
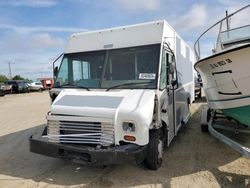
(129, 138)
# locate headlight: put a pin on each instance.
(128, 126)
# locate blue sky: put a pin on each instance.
(34, 32)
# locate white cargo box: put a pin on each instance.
(120, 37)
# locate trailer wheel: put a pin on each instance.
(204, 128)
(205, 116)
(199, 94)
(153, 159)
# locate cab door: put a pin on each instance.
(167, 97)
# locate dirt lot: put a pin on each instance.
(193, 159)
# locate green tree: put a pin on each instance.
(17, 77)
(3, 78)
(28, 80)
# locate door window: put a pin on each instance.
(170, 60)
(163, 77)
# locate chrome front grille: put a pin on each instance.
(78, 132)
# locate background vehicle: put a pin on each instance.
(36, 86)
(6, 88)
(198, 86)
(2, 90)
(122, 98)
(18, 86)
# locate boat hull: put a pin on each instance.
(241, 114)
(226, 82)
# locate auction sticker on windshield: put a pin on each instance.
(147, 76)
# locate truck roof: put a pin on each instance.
(119, 37)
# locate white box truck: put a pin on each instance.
(120, 95)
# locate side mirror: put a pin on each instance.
(172, 68)
(174, 83)
(55, 71)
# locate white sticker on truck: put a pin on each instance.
(147, 76)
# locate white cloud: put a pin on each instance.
(231, 3)
(139, 4)
(31, 64)
(208, 41)
(28, 3)
(14, 42)
(25, 29)
(43, 40)
(241, 18)
(30, 52)
(195, 18)
(31, 48)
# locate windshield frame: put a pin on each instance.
(104, 67)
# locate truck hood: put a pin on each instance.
(103, 104)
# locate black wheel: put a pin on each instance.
(199, 95)
(40, 89)
(153, 159)
(208, 114)
(204, 128)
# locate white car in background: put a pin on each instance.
(36, 86)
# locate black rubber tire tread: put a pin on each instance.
(204, 128)
(199, 95)
(152, 161)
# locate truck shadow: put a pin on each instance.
(190, 153)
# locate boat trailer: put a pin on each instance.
(210, 122)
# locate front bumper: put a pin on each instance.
(86, 154)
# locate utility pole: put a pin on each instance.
(10, 69)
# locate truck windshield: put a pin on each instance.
(110, 68)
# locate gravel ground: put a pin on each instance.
(194, 159)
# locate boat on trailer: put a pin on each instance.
(225, 75)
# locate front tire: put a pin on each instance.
(153, 159)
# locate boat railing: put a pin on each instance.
(236, 34)
(223, 37)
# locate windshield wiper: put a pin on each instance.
(72, 86)
(125, 84)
